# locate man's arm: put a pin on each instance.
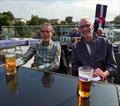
(56, 62)
(26, 57)
(111, 64)
(75, 63)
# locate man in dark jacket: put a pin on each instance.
(96, 52)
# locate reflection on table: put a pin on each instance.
(47, 80)
(83, 101)
(37, 88)
(12, 84)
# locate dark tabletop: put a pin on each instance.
(37, 88)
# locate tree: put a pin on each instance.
(55, 21)
(116, 20)
(69, 20)
(19, 23)
(35, 20)
(5, 20)
(22, 30)
(10, 15)
(63, 23)
(43, 20)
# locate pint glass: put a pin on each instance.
(85, 76)
(10, 64)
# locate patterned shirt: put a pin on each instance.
(46, 57)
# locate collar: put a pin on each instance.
(47, 43)
(94, 37)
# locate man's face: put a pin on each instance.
(85, 27)
(46, 33)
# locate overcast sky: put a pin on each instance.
(52, 9)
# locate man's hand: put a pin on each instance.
(98, 72)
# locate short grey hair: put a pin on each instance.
(85, 18)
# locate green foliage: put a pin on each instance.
(19, 23)
(117, 20)
(35, 20)
(43, 20)
(5, 20)
(69, 20)
(63, 23)
(23, 31)
(10, 15)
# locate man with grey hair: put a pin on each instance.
(96, 52)
(46, 52)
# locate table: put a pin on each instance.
(38, 88)
(17, 42)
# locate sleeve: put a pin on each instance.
(74, 60)
(56, 62)
(111, 64)
(26, 57)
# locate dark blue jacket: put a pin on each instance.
(102, 55)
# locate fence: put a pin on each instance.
(113, 32)
(32, 31)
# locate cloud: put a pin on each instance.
(59, 9)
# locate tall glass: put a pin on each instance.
(10, 64)
(85, 76)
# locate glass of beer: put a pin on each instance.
(10, 63)
(85, 75)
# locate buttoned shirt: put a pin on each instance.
(46, 57)
(96, 54)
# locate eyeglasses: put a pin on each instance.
(84, 26)
(45, 31)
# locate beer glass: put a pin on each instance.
(10, 63)
(85, 76)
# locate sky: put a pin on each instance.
(59, 9)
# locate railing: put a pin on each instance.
(113, 32)
(31, 31)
